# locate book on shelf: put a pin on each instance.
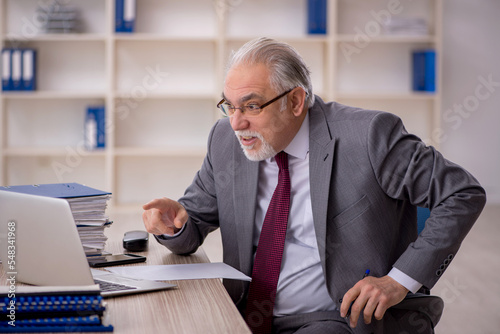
(316, 16)
(125, 11)
(88, 206)
(424, 70)
(39, 309)
(18, 69)
(95, 128)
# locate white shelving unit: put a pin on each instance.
(161, 83)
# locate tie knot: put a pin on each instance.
(282, 160)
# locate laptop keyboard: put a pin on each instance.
(110, 286)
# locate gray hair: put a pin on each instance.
(288, 69)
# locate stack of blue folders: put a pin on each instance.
(34, 309)
(18, 69)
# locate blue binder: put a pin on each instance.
(125, 15)
(29, 69)
(316, 16)
(424, 70)
(6, 69)
(53, 311)
(17, 69)
(57, 190)
(95, 127)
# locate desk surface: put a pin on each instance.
(194, 306)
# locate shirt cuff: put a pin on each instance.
(404, 280)
(168, 236)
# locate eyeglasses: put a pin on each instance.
(251, 109)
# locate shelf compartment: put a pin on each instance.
(53, 95)
(353, 39)
(279, 18)
(386, 95)
(158, 123)
(392, 74)
(147, 67)
(21, 21)
(46, 123)
(174, 151)
(141, 179)
(87, 170)
(176, 18)
(359, 18)
(69, 66)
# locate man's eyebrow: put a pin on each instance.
(245, 98)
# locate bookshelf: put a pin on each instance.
(161, 83)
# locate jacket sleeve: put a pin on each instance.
(407, 169)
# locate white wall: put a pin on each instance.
(471, 108)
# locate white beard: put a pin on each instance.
(266, 151)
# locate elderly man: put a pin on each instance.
(317, 202)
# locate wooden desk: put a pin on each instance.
(195, 306)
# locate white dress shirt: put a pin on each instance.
(301, 285)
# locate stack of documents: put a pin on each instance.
(88, 206)
(406, 26)
(36, 309)
(57, 17)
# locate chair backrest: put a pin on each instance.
(422, 215)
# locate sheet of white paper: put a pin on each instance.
(172, 272)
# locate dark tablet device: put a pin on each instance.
(135, 241)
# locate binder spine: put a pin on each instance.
(125, 11)
(316, 16)
(29, 69)
(95, 128)
(6, 69)
(17, 69)
(424, 70)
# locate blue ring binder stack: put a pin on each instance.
(18, 69)
(48, 309)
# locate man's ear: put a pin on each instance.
(297, 98)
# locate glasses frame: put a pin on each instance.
(219, 105)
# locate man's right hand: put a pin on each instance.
(164, 216)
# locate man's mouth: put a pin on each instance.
(248, 140)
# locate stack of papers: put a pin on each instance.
(88, 206)
(406, 26)
(90, 217)
(58, 17)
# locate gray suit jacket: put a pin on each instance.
(367, 176)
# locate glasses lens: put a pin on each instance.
(251, 110)
(226, 108)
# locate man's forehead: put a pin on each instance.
(245, 82)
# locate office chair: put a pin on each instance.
(426, 309)
(422, 216)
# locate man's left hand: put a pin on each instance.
(373, 296)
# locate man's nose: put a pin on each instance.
(239, 121)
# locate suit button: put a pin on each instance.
(450, 257)
(439, 272)
(442, 267)
(446, 262)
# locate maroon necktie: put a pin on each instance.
(267, 263)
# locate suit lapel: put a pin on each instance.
(321, 153)
(246, 175)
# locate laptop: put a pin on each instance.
(40, 245)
